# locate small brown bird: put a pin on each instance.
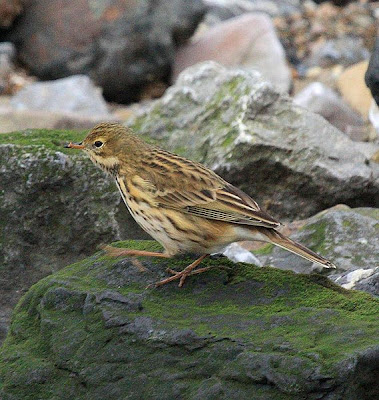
(183, 205)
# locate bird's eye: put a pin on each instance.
(98, 143)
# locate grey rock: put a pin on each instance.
(369, 284)
(7, 55)
(8, 49)
(207, 340)
(366, 280)
(349, 237)
(324, 101)
(54, 210)
(123, 45)
(290, 160)
(345, 50)
(12, 120)
(75, 94)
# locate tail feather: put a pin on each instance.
(286, 243)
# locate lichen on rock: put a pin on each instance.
(349, 237)
(290, 160)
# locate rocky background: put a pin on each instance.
(278, 97)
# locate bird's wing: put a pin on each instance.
(193, 189)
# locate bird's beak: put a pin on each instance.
(71, 145)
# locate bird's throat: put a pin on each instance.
(110, 165)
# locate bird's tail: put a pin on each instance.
(286, 243)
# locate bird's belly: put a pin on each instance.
(178, 232)
(152, 221)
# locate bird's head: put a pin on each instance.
(107, 144)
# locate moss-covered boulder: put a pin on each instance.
(93, 331)
(54, 210)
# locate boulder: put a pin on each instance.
(75, 94)
(293, 162)
(54, 210)
(93, 331)
(248, 41)
(122, 45)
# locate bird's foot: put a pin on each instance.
(182, 275)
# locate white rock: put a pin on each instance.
(355, 276)
(237, 253)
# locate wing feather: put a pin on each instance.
(194, 189)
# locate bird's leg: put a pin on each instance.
(182, 275)
(117, 252)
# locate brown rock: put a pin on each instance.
(123, 45)
(248, 41)
(9, 10)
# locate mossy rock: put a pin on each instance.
(94, 331)
(349, 237)
(290, 160)
(56, 207)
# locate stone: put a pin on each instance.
(290, 160)
(75, 94)
(7, 56)
(360, 279)
(123, 46)
(345, 50)
(369, 284)
(11, 120)
(352, 87)
(247, 41)
(237, 253)
(324, 101)
(235, 332)
(349, 237)
(9, 10)
(54, 210)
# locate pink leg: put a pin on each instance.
(117, 252)
(182, 275)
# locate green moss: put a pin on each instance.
(51, 139)
(318, 236)
(262, 307)
(264, 250)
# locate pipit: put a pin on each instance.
(182, 204)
